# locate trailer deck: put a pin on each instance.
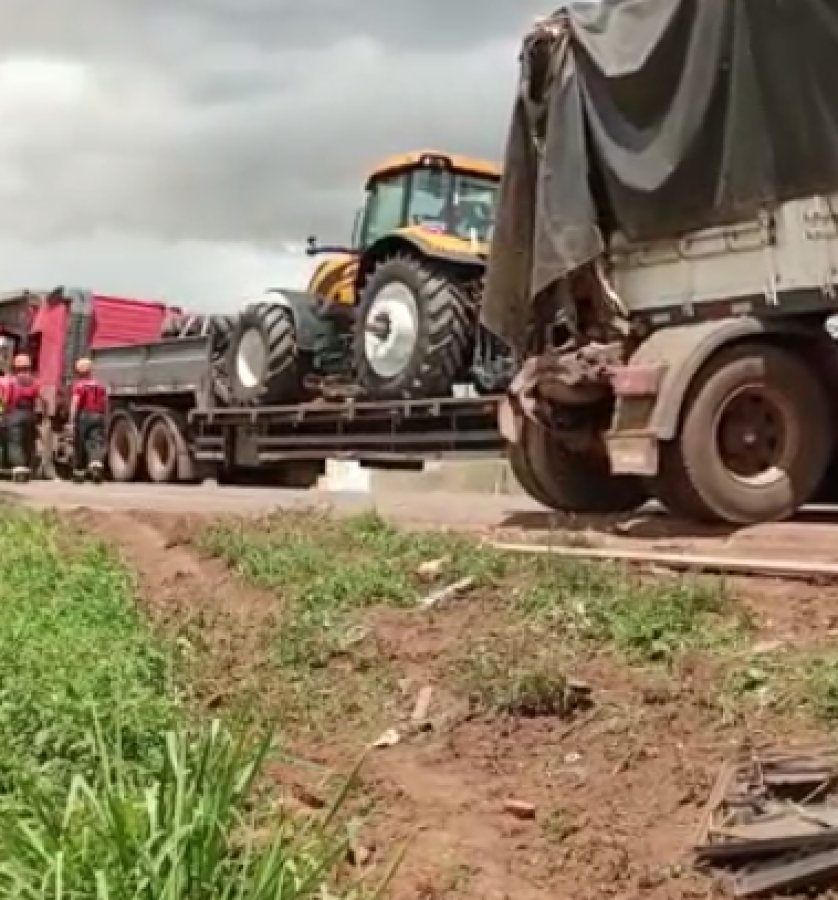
(400, 431)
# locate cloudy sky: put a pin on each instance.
(183, 148)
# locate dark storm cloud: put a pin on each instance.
(237, 120)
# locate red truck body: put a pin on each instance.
(58, 327)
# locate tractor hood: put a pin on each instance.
(655, 118)
(436, 242)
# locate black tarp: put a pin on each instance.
(657, 117)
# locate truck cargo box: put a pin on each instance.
(684, 126)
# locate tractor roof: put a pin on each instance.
(416, 158)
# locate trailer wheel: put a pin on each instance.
(754, 441)
(124, 455)
(412, 332)
(161, 452)
(570, 481)
(262, 357)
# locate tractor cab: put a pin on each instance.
(431, 193)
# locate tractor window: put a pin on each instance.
(429, 198)
(475, 202)
(385, 207)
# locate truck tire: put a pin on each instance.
(412, 332)
(754, 440)
(262, 360)
(161, 452)
(520, 465)
(570, 481)
(124, 451)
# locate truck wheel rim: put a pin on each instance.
(756, 434)
(392, 327)
(251, 359)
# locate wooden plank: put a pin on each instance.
(786, 875)
(720, 788)
(735, 565)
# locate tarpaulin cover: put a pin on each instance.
(657, 117)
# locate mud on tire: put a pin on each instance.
(425, 322)
(262, 362)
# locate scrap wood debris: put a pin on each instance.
(772, 822)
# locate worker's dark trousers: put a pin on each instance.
(20, 428)
(88, 440)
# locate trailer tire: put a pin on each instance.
(124, 448)
(161, 452)
(574, 482)
(428, 322)
(754, 441)
(262, 357)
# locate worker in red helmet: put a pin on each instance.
(5, 381)
(23, 404)
(88, 412)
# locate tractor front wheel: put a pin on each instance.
(412, 332)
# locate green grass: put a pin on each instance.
(646, 620)
(192, 827)
(328, 573)
(791, 682)
(105, 792)
(72, 644)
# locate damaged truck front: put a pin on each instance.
(665, 257)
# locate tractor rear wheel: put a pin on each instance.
(412, 332)
(262, 361)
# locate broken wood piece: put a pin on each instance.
(446, 593)
(389, 738)
(786, 874)
(431, 569)
(423, 705)
(519, 808)
(724, 780)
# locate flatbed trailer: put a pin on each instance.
(165, 424)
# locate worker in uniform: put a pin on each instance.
(4, 390)
(23, 402)
(88, 411)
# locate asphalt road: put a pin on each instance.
(812, 537)
(432, 508)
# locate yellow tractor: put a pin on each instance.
(397, 312)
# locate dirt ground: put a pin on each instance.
(617, 791)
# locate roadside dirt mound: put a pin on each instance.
(601, 804)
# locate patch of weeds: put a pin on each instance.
(648, 620)
(72, 645)
(517, 677)
(558, 826)
(791, 682)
